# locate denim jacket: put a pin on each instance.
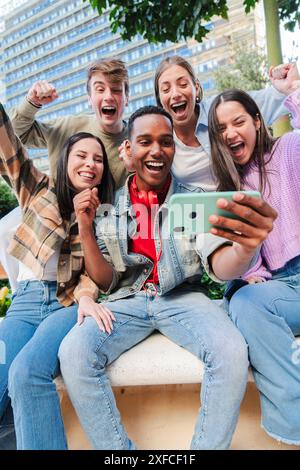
(179, 262)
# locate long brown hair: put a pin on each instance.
(63, 186)
(167, 63)
(230, 175)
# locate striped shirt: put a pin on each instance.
(42, 231)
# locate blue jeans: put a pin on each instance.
(32, 332)
(268, 315)
(189, 319)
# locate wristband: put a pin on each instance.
(33, 104)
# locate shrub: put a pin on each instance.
(8, 200)
(215, 290)
(5, 300)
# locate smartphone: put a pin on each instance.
(188, 213)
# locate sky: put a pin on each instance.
(290, 41)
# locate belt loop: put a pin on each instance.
(46, 291)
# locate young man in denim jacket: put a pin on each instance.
(139, 265)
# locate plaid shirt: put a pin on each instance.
(43, 231)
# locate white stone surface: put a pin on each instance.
(155, 361)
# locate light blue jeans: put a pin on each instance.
(32, 332)
(189, 319)
(268, 315)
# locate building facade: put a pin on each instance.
(56, 40)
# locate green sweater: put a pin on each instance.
(53, 135)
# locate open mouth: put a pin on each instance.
(87, 176)
(179, 108)
(155, 167)
(109, 110)
(237, 148)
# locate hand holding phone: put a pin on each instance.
(189, 213)
(256, 221)
(242, 217)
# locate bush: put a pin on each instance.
(5, 300)
(215, 290)
(8, 200)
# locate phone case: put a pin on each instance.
(188, 213)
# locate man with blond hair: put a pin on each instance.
(108, 90)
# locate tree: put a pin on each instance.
(289, 13)
(162, 20)
(247, 70)
(276, 10)
(8, 201)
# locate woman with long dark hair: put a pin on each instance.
(267, 310)
(52, 277)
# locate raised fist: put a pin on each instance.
(285, 78)
(42, 92)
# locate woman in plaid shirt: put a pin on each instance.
(52, 277)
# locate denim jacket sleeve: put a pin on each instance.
(116, 274)
(206, 244)
(270, 102)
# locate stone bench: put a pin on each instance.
(156, 385)
(156, 361)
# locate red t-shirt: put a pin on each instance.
(143, 241)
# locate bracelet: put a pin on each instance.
(33, 104)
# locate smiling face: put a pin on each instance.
(85, 164)
(238, 130)
(108, 100)
(151, 147)
(177, 93)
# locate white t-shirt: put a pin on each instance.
(50, 271)
(192, 165)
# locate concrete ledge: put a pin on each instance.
(156, 361)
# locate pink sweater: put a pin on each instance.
(283, 172)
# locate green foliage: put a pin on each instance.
(163, 20)
(249, 4)
(289, 13)
(246, 70)
(215, 290)
(8, 200)
(3, 283)
(5, 300)
(160, 21)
